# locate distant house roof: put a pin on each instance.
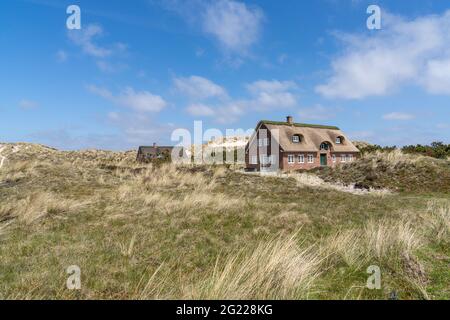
(312, 136)
(154, 150)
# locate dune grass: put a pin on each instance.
(139, 231)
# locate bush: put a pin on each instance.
(437, 150)
(374, 147)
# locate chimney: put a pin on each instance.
(289, 120)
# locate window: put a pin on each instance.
(350, 158)
(324, 146)
(333, 157)
(339, 140)
(264, 159)
(301, 158)
(343, 158)
(296, 138)
(310, 158)
(291, 158)
(263, 142)
(254, 160)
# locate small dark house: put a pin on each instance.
(154, 152)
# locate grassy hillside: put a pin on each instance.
(139, 231)
(394, 170)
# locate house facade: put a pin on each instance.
(289, 146)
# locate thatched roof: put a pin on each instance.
(154, 150)
(312, 136)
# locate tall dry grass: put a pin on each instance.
(286, 268)
(169, 176)
(376, 241)
(36, 206)
(171, 188)
(275, 269)
(437, 220)
(394, 157)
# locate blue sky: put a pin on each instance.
(139, 69)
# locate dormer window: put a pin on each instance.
(296, 138)
(324, 146)
(339, 140)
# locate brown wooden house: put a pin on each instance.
(290, 146)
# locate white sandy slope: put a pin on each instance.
(4, 154)
(2, 158)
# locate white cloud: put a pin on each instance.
(272, 94)
(264, 95)
(140, 129)
(142, 101)
(201, 110)
(108, 67)
(361, 135)
(27, 104)
(317, 112)
(234, 24)
(102, 92)
(222, 113)
(443, 126)
(403, 52)
(84, 38)
(199, 87)
(437, 76)
(133, 129)
(270, 86)
(231, 112)
(398, 116)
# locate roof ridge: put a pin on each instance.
(316, 126)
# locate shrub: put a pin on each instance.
(436, 150)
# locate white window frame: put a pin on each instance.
(254, 160)
(350, 158)
(263, 142)
(333, 157)
(310, 158)
(296, 138)
(291, 159)
(338, 140)
(301, 158)
(343, 158)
